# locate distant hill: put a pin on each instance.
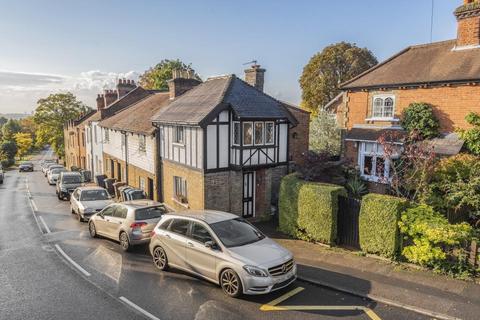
(15, 116)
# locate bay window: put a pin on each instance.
(247, 133)
(269, 133)
(236, 133)
(372, 163)
(259, 134)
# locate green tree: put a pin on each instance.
(472, 136)
(3, 120)
(24, 143)
(419, 117)
(50, 116)
(324, 134)
(8, 150)
(157, 76)
(9, 129)
(326, 70)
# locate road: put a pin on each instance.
(52, 269)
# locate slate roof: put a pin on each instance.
(447, 144)
(247, 102)
(422, 64)
(373, 134)
(137, 118)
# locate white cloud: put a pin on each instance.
(19, 91)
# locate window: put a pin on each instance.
(150, 213)
(108, 211)
(236, 133)
(259, 133)
(180, 226)
(383, 107)
(120, 212)
(142, 143)
(373, 165)
(141, 183)
(247, 133)
(180, 189)
(178, 135)
(95, 134)
(200, 233)
(83, 139)
(269, 133)
(107, 136)
(123, 140)
(165, 224)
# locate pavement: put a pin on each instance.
(52, 269)
(419, 290)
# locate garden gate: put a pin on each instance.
(347, 222)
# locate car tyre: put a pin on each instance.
(79, 216)
(231, 283)
(92, 229)
(124, 242)
(160, 260)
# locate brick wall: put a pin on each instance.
(468, 31)
(195, 186)
(451, 104)
(299, 136)
(223, 191)
(134, 176)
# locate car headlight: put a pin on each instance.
(255, 271)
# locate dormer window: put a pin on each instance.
(383, 107)
(259, 134)
(247, 133)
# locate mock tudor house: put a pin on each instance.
(444, 74)
(129, 144)
(224, 144)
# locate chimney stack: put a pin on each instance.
(255, 76)
(110, 97)
(183, 80)
(468, 18)
(124, 86)
(100, 102)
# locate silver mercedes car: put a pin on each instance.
(88, 200)
(129, 222)
(222, 248)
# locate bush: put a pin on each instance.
(471, 136)
(308, 210)
(378, 224)
(419, 117)
(434, 241)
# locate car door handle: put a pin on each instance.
(167, 236)
(190, 244)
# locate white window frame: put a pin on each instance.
(255, 133)
(106, 135)
(383, 117)
(180, 183)
(236, 123)
(273, 133)
(374, 154)
(243, 133)
(142, 143)
(123, 139)
(176, 138)
(141, 183)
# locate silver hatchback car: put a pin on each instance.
(130, 222)
(222, 248)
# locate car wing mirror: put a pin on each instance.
(211, 244)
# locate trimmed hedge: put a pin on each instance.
(378, 224)
(308, 210)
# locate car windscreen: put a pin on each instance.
(236, 232)
(71, 179)
(150, 213)
(93, 195)
(27, 164)
(58, 170)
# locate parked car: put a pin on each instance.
(131, 223)
(2, 174)
(51, 166)
(53, 174)
(224, 249)
(85, 201)
(25, 167)
(67, 182)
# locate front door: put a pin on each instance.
(248, 194)
(150, 188)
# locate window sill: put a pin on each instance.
(383, 119)
(375, 179)
(178, 144)
(185, 205)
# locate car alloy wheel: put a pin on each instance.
(230, 283)
(160, 258)
(92, 229)
(124, 241)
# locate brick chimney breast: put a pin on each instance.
(110, 96)
(181, 83)
(255, 76)
(100, 102)
(124, 86)
(468, 18)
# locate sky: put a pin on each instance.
(84, 46)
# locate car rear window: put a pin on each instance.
(58, 170)
(150, 213)
(94, 195)
(71, 179)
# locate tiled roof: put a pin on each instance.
(137, 118)
(247, 102)
(430, 63)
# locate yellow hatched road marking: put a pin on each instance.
(273, 306)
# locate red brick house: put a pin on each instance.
(444, 74)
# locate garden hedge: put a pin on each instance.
(308, 210)
(378, 224)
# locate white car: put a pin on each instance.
(54, 173)
(86, 201)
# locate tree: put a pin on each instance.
(324, 134)
(326, 70)
(9, 129)
(3, 120)
(472, 136)
(157, 76)
(420, 117)
(50, 116)
(24, 143)
(8, 149)
(28, 125)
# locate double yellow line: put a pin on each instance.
(273, 306)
